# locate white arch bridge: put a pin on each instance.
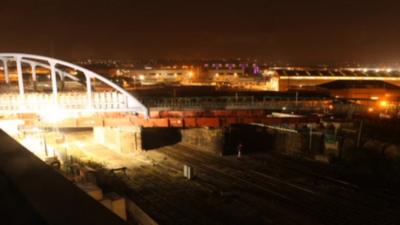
(115, 99)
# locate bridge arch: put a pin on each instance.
(126, 101)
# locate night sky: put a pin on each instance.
(296, 31)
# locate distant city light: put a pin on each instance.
(383, 103)
(269, 72)
(141, 77)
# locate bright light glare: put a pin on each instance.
(53, 114)
(35, 145)
(11, 126)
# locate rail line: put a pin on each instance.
(318, 204)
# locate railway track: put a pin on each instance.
(368, 196)
(153, 194)
(155, 189)
(210, 186)
(232, 184)
(264, 189)
(328, 209)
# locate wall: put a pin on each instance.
(120, 139)
(253, 139)
(205, 139)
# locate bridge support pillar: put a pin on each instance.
(20, 76)
(33, 70)
(53, 80)
(62, 78)
(89, 90)
(6, 73)
(120, 139)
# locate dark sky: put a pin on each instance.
(298, 31)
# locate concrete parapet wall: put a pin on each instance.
(46, 193)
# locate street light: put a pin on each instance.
(384, 105)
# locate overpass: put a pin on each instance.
(295, 78)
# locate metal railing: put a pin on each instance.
(232, 102)
(69, 101)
